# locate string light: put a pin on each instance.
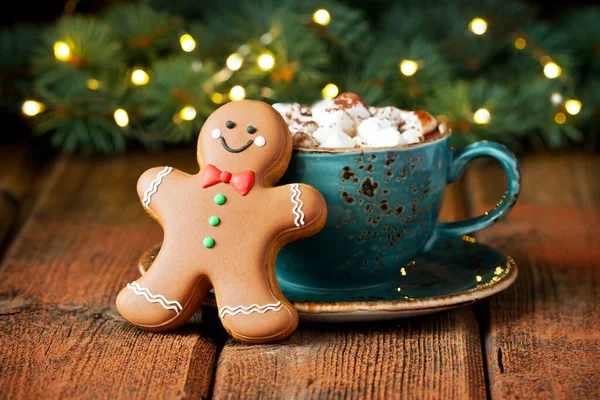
(139, 77)
(197, 65)
(481, 116)
(520, 43)
(244, 50)
(266, 62)
(266, 39)
(552, 70)
(556, 98)
(62, 51)
(573, 106)
(121, 117)
(478, 278)
(32, 108)
(560, 118)
(266, 92)
(216, 98)
(237, 93)
(478, 26)
(330, 91)
(187, 42)
(322, 17)
(235, 61)
(93, 84)
(187, 113)
(408, 67)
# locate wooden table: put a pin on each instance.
(72, 230)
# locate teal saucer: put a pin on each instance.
(456, 273)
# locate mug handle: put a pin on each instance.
(460, 159)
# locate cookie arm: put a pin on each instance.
(305, 203)
(149, 188)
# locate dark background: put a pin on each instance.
(48, 10)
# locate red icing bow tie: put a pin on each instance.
(241, 181)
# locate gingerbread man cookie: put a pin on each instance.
(223, 228)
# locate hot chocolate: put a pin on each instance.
(348, 123)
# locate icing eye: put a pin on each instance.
(216, 133)
(230, 124)
(260, 141)
(250, 129)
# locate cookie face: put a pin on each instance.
(246, 135)
(223, 228)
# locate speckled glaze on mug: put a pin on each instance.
(383, 208)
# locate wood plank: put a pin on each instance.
(542, 335)
(60, 333)
(19, 166)
(436, 356)
(425, 357)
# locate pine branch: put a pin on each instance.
(455, 72)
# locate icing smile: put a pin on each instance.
(239, 149)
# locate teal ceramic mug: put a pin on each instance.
(383, 207)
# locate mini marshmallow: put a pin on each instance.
(428, 123)
(353, 105)
(443, 128)
(360, 142)
(323, 104)
(412, 122)
(387, 137)
(359, 113)
(391, 113)
(371, 126)
(390, 137)
(378, 132)
(333, 138)
(285, 110)
(302, 124)
(412, 136)
(304, 140)
(296, 111)
(335, 119)
(347, 121)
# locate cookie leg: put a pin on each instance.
(250, 311)
(164, 298)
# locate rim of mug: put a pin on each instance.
(368, 150)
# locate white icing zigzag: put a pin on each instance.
(250, 309)
(153, 298)
(154, 186)
(299, 220)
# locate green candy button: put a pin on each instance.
(214, 221)
(220, 199)
(209, 242)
